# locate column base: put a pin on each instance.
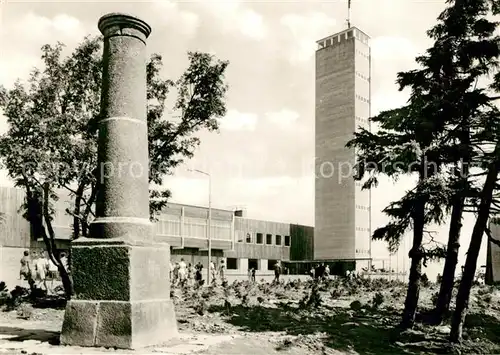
(121, 295)
(119, 324)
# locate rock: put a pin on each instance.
(443, 329)
(354, 324)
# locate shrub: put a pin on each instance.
(424, 280)
(377, 300)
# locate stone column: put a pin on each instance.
(121, 277)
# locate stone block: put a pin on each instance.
(101, 272)
(120, 271)
(79, 323)
(124, 325)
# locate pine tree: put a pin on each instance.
(442, 118)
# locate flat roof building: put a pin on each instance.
(343, 93)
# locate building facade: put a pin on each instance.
(343, 91)
(241, 242)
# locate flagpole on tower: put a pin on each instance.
(348, 13)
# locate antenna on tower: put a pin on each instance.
(348, 13)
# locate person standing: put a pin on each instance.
(26, 271)
(320, 271)
(42, 266)
(182, 272)
(277, 272)
(190, 270)
(176, 273)
(198, 274)
(51, 273)
(212, 271)
(222, 268)
(327, 271)
(253, 274)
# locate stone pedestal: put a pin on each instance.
(120, 276)
(122, 295)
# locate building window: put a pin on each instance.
(253, 264)
(270, 264)
(287, 240)
(269, 239)
(249, 238)
(232, 263)
(278, 239)
(260, 239)
(239, 236)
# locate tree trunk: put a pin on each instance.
(453, 247)
(52, 247)
(450, 265)
(76, 211)
(416, 255)
(463, 295)
(88, 210)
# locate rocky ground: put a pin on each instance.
(336, 317)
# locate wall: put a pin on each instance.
(362, 206)
(302, 242)
(14, 229)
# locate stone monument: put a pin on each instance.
(121, 277)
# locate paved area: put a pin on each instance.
(42, 338)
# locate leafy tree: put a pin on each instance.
(51, 143)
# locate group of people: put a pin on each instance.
(278, 270)
(37, 268)
(320, 271)
(186, 274)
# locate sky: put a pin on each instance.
(263, 157)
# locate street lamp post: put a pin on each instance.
(209, 232)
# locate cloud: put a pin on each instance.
(34, 27)
(234, 16)
(32, 32)
(185, 22)
(284, 117)
(305, 30)
(238, 121)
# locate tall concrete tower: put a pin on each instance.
(342, 209)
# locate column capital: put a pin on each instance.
(116, 24)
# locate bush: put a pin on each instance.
(336, 293)
(424, 280)
(377, 300)
(356, 305)
(434, 298)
